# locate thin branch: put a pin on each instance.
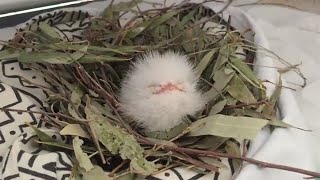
(247, 104)
(261, 164)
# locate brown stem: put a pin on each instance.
(118, 167)
(96, 142)
(244, 105)
(279, 85)
(231, 156)
(38, 112)
(198, 163)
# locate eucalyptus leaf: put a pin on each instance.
(280, 123)
(79, 53)
(162, 142)
(82, 158)
(237, 89)
(74, 130)
(89, 58)
(268, 109)
(205, 61)
(49, 33)
(167, 135)
(96, 173)
(42, 135)
(209, 142)
(76, 96)
(185, 141)
(222, 58)
(150, 24)
(118, 141)
(214, 162)
(189, 16)
(139, 29)
(245, 71)
(74, 113)
(222, 78)
(124, 6)
(45, 57)
(70, 147)
(233, 148)
(161, 19)
(218, 107)
(8, 54)
(228, 126)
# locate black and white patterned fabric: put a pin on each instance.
(20, 156)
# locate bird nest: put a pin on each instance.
(84, 76)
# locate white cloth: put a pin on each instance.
(294, 36)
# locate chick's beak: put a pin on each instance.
(166, 88)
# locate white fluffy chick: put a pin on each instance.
(160, 90)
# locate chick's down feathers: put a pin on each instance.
(160, 90)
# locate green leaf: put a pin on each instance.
(280, 123)
(42, 57)
(118, 141)
(89, 58)
(49, 33)
(79, 53)
(76, 96)
(42, 136)
(205, 61)
(228, 126)
(139, 29)
(233, 148)
(161, 141)
(244, 68)
(74, 130)
(167, 135)
(90, 48)
(245, 71)
(214, 162)
(268, 109)
(230, 100)
(222, 58)
(185, 141)
(70, 147)
(222, 78)
(96, 173)
(150, 24)
(161, 19)
(218, 107)
(82, 158)
(8, 54)
(125, 6)
(237, 89)
(209, 142)
(189, 16)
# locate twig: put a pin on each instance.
(118, 167)
(279, 85)
(96, 142)
(261, 164)
(38, 112)
(166, 168)
(244, 105)
(198, 163)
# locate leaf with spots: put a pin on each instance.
(118, 141)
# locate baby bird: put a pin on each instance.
(160, 90)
